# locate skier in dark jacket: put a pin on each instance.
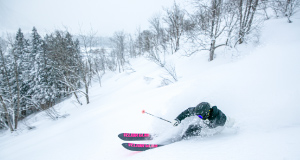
(212, 116)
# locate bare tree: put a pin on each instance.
(99, 63)
(175, 21)
(171, 70)
(247, 9)
(139, 42)
(292, 6)
(286, 8)
(88, 41)
(132, 47)
(264, 5)
(214, 24)
(276, 6)
(119, 44)
(158, 41)
(85, 72)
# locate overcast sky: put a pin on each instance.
(104, 16)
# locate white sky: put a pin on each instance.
(104, 16)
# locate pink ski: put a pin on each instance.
(135, 136)
(140, 147)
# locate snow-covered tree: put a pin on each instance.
(6, 96)
(20, 66)
(38, 71)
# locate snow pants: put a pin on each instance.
(193, 130)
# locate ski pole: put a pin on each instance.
(156, 116)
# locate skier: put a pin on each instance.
(212, 116)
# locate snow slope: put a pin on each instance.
(260, 89)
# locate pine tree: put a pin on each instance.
(20, 65)
(6, 97)
(36, 60)
(48, 74)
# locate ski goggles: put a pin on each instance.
(200, 116)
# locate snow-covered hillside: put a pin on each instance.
(260, 89)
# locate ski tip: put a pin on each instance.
(135, 136)
(125, 145)
(120, 135)
(143, 111)
(139, 147)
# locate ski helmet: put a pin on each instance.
(202, 110)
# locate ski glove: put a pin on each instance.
(176, 122)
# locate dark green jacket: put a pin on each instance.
(216, 117)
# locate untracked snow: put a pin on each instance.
(260, 89)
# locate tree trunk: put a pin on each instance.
(286, 8)
(77, 97)
(246, 18)
(177, 44)
(5, 74)
(6, 114)
(212, 32)
(18, 94)
(241, 35)
(87, 93)
(86, 89)
(212, 50)
(254, 6)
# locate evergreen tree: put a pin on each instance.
(20, 66)
(6, 105)
(48, 74)
(36, 60)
